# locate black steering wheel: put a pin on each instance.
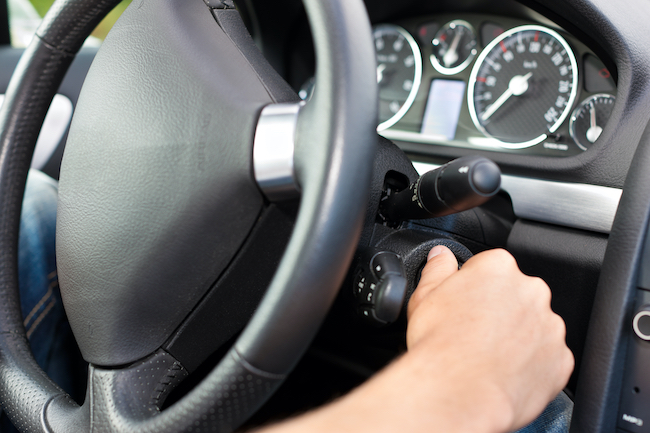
(160, 204)
(161, 215)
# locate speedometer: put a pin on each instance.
(522, 86)
(399, 72)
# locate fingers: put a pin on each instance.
(489, 325)
(565, 358)
(441, 264)
(493, 261)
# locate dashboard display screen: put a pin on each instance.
(443, 108)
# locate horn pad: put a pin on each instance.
(156, 190)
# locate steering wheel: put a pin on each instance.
(223, 87)
(159, 205)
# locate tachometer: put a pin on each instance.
(522, 86)
(399, 72)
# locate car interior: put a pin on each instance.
(249, 190)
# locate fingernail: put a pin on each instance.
(435, 251)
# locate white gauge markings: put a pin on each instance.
(532, 71)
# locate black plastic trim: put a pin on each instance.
(601, 372)
(5, 36)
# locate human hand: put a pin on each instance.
(486, 354)
(488, 329)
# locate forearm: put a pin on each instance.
(412, 395)
(485, 354)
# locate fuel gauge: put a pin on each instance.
(454, 47)
(589, 119)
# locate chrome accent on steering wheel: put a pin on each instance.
(273, 150)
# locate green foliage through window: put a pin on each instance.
(42, 6)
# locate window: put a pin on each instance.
(25, 16)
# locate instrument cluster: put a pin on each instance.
(490, 83)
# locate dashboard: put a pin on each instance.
(488, 82)
(552, 153)
(448, 88)
(562, 190)
(434, 98)
(491, 83)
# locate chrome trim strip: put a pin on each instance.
(273, 151)
(575, 205)
(416, 137)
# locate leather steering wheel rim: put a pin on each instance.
(325, 235)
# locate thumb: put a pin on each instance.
(441, 264)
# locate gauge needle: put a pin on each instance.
(451, 56)
(594, 130)
(380, 72)
(517, 86)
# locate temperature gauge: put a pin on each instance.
(454, 47)
(589, 119)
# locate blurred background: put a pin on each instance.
(25, 16)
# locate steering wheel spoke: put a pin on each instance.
(274, 149)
